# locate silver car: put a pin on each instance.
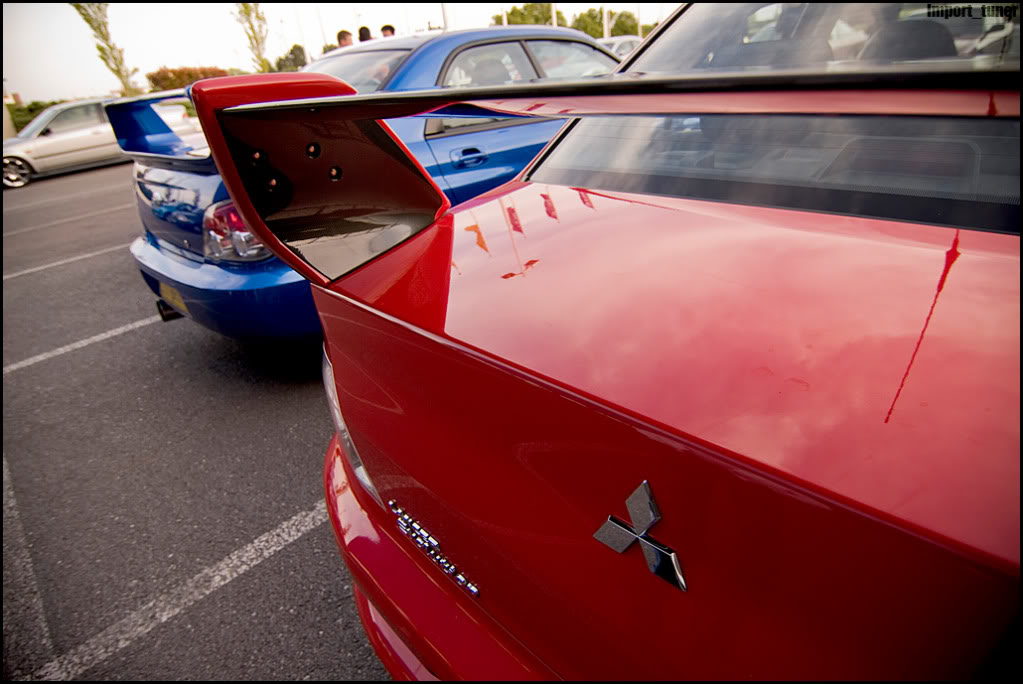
(72, 136)
(621, 45)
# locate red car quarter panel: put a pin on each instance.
(756, 409)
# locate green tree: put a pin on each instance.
(254, 21)
(293, 60)
(531, 13)
(647, 28)
(591, 23)
(95, 16)
(169, 79)
(625, 24)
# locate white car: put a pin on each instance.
(72, 136)
(621, 45)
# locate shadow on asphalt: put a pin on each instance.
(259, 361)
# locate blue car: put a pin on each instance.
(197, 255)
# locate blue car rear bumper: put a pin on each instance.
(248, 300)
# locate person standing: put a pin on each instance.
(386, 30)
(364, 34)
(344, 38)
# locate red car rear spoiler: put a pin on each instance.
(309, 163)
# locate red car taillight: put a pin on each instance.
(344, 437)
(227, 238)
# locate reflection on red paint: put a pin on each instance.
(548, 205)
(480, 242)
(584, 197)
(513, 219)
(950, 258)
(525, 267)
(586, 201)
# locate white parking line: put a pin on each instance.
(21, 591)
(36, 269)
(73, 664)
(65, 198)
(79, 217)
(79, 344)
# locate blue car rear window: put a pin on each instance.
(364, 71)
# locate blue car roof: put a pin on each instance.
(430, 50)
(455, 38)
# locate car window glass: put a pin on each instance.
(948, 171)
(743, 36)
(464, 123)
(75, 118)
(470, 124)
(485, 65)
(364, 71)
(625, 47)
(566, 59)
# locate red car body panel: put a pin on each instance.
(447, 634)
(533, 398)
(717, 338)
(826, 408)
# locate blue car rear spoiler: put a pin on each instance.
(140, 130)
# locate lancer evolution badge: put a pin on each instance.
(429, 545)
(619, 535)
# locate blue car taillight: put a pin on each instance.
(343, 435)
(227, 238)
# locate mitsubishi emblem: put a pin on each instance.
(619, 535)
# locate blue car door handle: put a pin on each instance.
(470, 156)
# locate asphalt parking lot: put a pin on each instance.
(163, 513)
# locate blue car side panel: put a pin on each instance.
(410, 132)
(502, 153)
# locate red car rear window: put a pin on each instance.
(944, 171)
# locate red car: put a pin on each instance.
(724, 385)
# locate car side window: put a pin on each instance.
(494, 64)
(75, 118)
(435, 127)
(485, 65)
(568, 59)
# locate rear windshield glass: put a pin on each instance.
(836, 36)
(364, 71)
(959, 172)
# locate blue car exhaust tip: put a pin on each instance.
(167, 312)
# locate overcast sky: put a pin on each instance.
(49, 52)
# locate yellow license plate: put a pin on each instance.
(173, 297)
